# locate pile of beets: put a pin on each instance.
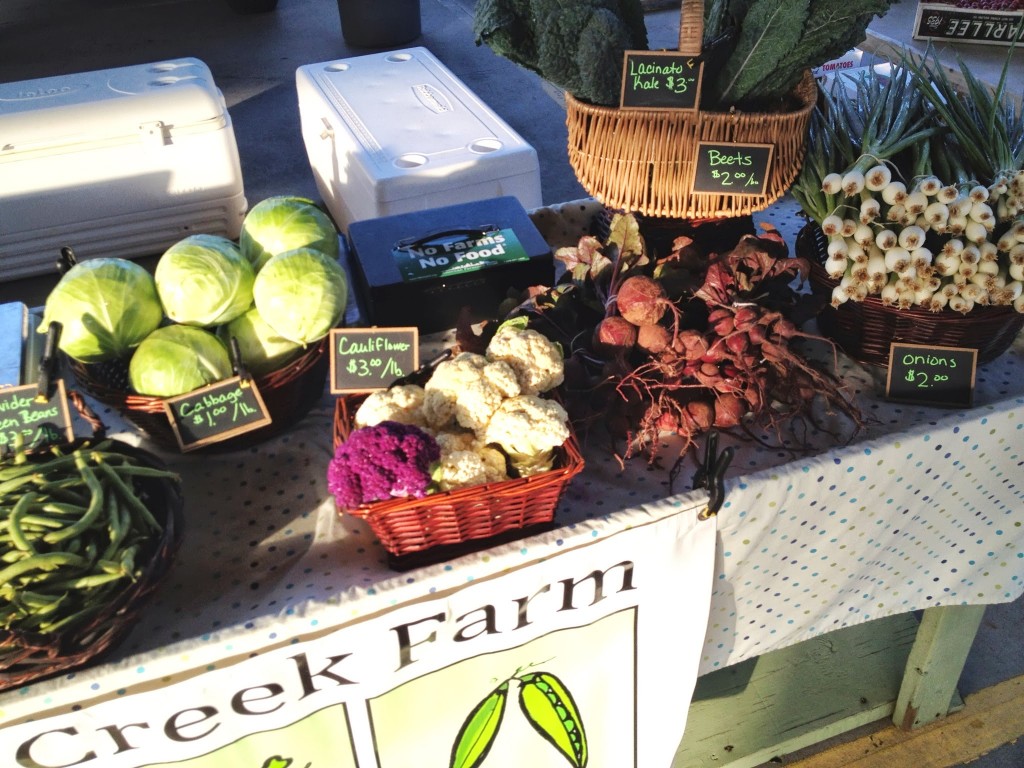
(682, 343)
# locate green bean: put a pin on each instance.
(91, 514)
(111, 566)
(13, 485)
(45, 561)
(63, 508)
(38, 603)
(13, 555)
(39, 521)
(67, 490)
(87, 581)
(128, 561)
(127, 494)
(138, 470)
(50, 627)
(119, 523)
(12, 478)
(14, 521)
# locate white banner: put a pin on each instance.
(588, 658)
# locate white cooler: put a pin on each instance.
(119, 162)
(397, 132)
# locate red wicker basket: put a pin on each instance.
(288, 393)
(445, 524)
(865, 329)
(26, 656)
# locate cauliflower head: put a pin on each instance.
(528, 428)
(466, 390)
(385, 461)
(463, 469)
(403, 404)
(537, 361)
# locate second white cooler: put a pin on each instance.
(397, 132)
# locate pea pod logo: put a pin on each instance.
(280, 762)
(548, 707)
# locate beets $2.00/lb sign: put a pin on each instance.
(732, 169)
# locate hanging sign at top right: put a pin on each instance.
(990, 25)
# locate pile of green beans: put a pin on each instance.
(73, 532)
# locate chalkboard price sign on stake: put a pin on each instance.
(368, 359)
(661, 80)
(732, 169)
(214, 413)
(37, 419)
(931, 375)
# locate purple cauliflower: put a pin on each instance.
(384, 461)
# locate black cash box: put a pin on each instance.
(421, 268)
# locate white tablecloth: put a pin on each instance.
(923, 508)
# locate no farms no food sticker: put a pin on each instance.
(448, 256)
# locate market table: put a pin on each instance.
(822, 533)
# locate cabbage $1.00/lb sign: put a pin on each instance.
(216, 412)
(450, 255)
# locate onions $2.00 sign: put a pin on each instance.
(931, 375)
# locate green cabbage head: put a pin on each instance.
(262, 348)
(284, 223)
(204, 280)
(105, 307)
(176, 359)
(301, 294)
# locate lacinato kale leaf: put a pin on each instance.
(766, 63)
(576, 45)
(769, 30)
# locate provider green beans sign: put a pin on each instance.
(732, 169)
(210, 414)
(367, 359)
(447, 255)
(931, 375)
(33, 421)
(660, 80)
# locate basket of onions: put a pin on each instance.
(915, 193)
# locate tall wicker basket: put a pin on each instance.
(644, 161)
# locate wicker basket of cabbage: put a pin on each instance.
(211, 307)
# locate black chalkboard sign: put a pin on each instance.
(221, 410)
(366, 359)
(732, 169)
(931, 375)
(661, 80)
(36, 420)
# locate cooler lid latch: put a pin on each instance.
(154, 133)
(328, 131)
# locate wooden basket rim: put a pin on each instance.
(806, 92)
(155, 405)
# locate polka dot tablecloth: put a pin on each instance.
(821, 528)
